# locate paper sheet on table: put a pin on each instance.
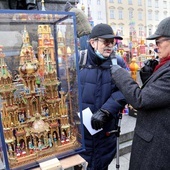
(87, 114)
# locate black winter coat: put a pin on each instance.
(98, 91)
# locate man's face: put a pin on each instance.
(163, 46)
(104, 46)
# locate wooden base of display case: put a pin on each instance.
(64, 164)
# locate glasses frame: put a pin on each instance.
(158, 42)
(106, 41)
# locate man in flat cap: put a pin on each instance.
(150, 149)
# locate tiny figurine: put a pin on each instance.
(46, 112)
(50, 141)
(43, 111)
(23, 152)
(27, 90)
(18, 150)
(28, 114)
(40, 145)
(63, 138)
(31, 147)
(55, 138)
(10, 150)
(21, 117)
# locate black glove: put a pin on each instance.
(148, 68)
(99, 119)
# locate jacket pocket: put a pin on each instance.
(145, 135)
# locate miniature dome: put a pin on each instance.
(29, 68)
(39, 125)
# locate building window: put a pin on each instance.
(156, 4)
(89, 2)
(156, 27)
(165, 14)
(149, 3)
(120, 14)
(140, 2)
(140, 15)
(119, 1)
(130, 14)
(99, 15)
(113, 25)
(111, 1)
(98, 2)
(149, 15)
(112, 16)
(164, 4)
(130, 2)
(141, 30)
(150, 31)
(156, 15)
(120, 30)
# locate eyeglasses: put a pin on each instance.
(106, 41)
(158, 42)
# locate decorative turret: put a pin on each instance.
(45, 47)
(28, 63)
(5, 76)
(10, 109)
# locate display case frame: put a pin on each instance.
(40, 102)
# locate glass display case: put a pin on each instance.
(39, 88)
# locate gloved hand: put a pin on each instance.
(114, 68)
(147, 70)
(99, 119)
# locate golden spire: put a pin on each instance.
(25, 37)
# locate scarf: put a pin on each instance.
(162, 62)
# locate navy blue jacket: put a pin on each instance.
(98, 91)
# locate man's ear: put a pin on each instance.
(92, 43)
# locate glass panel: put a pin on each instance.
(39, 87)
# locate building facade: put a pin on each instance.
(95, 9)
(156, 10)
(132, 19)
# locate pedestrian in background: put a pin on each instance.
(100, 94)
(151, 143)
(82, 23)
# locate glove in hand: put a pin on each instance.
(114, 68)
(99, 119)
(148, 68)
